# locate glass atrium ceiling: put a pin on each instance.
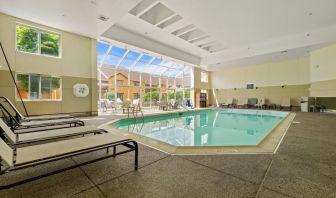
(139, 62)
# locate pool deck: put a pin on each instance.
(303, 166)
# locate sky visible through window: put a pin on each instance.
(139, 62)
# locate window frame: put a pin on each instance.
(39, 31)
(40, 88)
(122, 83)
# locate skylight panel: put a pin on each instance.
(101, 51)
(117, 51)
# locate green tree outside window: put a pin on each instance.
(27, 39)
(49, 44)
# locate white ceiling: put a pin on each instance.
(78, 16)
(257, 28)
(244, 30)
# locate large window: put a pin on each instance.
(132, 74)
(39, 87)
(204, 76)
(36, 41)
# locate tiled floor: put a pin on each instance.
(304, 166)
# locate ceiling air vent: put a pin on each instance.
(103, 18)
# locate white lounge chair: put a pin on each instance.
(261, 103)
(242, 103)
(30, 156)
(286, 103)
(39, 136)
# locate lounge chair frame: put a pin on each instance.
(129, 143)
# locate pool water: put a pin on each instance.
(207, 127)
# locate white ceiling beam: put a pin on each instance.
(166, 19)
(147, 8)
(207, 44)
(198, 37)
(186, 31)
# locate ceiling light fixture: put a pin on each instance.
(103, 18)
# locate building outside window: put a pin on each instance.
(120, 82)
(136, 84)
(35, 41)
(136, 95)
(39, 87)
(120, 96)
(204, 76)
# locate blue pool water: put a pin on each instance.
(207, 127)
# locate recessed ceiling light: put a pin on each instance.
(308, 35)
(310, 13)
(103, 18)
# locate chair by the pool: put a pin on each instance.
(189, 104)
(261, 103)
(242, 103)
(30, 156)
(229, 103)
(40, 136)
(21, 118)
(173, 104)
(286, 103)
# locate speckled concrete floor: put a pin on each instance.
(304, 166)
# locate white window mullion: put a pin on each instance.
(40, 88)
(28, 87)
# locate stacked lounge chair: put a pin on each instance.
(286, 103)
(242, 103)
(17, 122)
(20, 117)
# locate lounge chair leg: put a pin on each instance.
(107, 149)
(114, 151)
(136, 153)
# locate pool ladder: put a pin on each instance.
(135, 111)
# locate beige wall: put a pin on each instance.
(269, 78)
(323, 72)
(76, 65)
(274, 94)
(289, 72)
